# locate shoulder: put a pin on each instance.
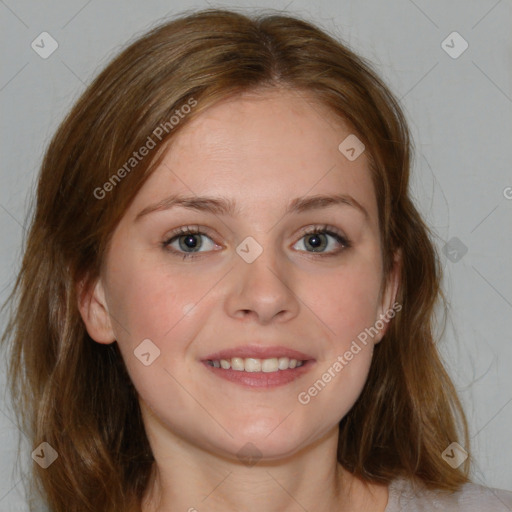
(407, 497)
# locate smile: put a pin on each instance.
(259, 374)
(252, 365)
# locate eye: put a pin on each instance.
(322, 239)
(188, 240)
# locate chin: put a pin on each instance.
(267, 440)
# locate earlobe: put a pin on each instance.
(94, 311)
(389, 307)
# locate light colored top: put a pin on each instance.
(404, 497)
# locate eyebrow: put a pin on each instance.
(223, 206)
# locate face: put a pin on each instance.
(255, 240)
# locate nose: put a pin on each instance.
(262, 290)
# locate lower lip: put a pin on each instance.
(261, 379)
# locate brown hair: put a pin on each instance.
(76, 394)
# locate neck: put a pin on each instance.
(186, 477)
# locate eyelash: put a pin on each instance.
(317, 229)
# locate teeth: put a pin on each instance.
(225, 364)
(237, 363)
(270, 365)
(250, 364)
(283, 363)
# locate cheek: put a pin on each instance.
(151, 303)
(346, 301)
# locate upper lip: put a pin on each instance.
(258, 352)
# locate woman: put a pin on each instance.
(234, 296)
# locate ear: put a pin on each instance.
(94, 311)
(388, 307)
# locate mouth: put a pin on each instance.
(259, 367)
(252, 365)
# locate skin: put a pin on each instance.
(260, 150)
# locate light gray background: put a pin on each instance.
(460, 116)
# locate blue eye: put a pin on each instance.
(322, 240)
(189, 242)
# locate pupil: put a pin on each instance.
(190, 242)
(316, 242)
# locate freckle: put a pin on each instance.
(187, 308)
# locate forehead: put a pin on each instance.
(262, 148)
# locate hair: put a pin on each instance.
(76, 394)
